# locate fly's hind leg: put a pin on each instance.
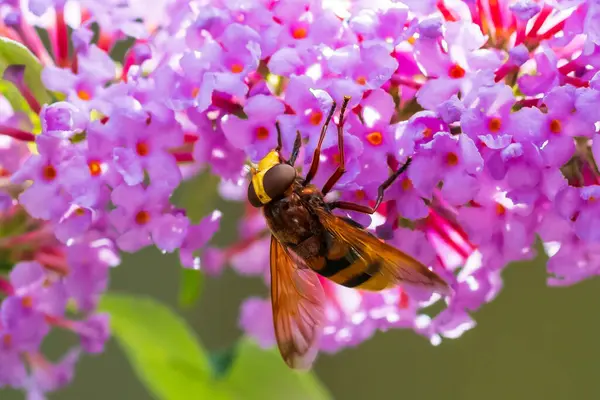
(345, 205)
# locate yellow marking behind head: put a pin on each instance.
(268, 162)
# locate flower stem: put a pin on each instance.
(183, 157)
(5, 286)
(61, 43)
(17, 134)
(539, 21)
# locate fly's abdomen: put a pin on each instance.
(348, 266)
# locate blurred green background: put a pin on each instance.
(532, 342)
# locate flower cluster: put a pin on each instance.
(492, 100)
(94, 180)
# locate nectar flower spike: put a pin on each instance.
(494, 103)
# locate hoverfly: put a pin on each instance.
(308, 239)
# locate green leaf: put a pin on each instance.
(191, 283)
(262, 375)
(222, 360)
(162, 349)
(14, 53)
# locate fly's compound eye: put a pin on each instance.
(278, 179)
(253, 197)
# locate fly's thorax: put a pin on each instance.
(270, 180)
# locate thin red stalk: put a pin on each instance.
(458, 229)
(529, 102)
(53, 262)
(521, 32)
(485, 29)
(190, 138)
(552, 31)
(61, 44)
(9, 33)
(59, 321)
(505, 70)
(15, 74)
(75, 64)
(226, 104)
(244, 244)
(475, 16)
(29, 38)
(183, 157)
(439, 221)
(399, 80)
(17, 133)
(539, 21)
(496, 15)
(127, 64)
(577, 82)
(445, 236)
(569, 67)
(27, 237)
(5, 286)
(445, 11)
(105, 41)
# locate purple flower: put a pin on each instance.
(581, 206)
(85, 90)
(38, 291)
(256, 134)
(48, 377)
(197, 237)
(41, 199)
(490, 120)
(93, 332)
(212, 149)
(464, 64)
(455, 161)
(494, 106)
(141, 217)
(89, 272)
(375, 131)
(369, 66)
(145, 149)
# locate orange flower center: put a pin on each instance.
(406, 184)
(49, 173)
(336, 158)
(500, 209)
(236, 68)
(495, 124)
(7, 340)
(361, 80)
(360, 194)
(79, 212)
(451, 159)
(84, 94)
(555, 126)
(27, 302)
(427, 133)
(195, 91)
(315, 118)
(299, 33)
(95, 167)
(142, 149)
(375, 138)
(456, 72)
(262, 133)
(142, 217)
